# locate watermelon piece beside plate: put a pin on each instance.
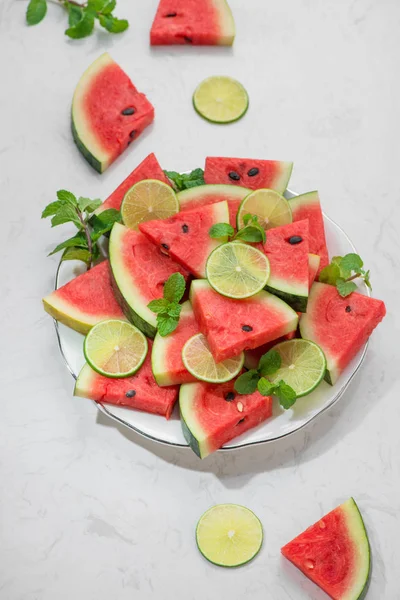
(194, 22)
(335, 553)
(340, 326)
(108, 113)
(248, 172)
(202, 195)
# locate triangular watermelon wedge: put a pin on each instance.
(248, 172)
(308, 206)
(335, 553)
(185, 236)
(202, 195)
(194, 22)
(340, 326)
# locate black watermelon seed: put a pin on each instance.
(233, 175)
(247, 328)
(171, 14)
(185, 228)
(253, 172)
(348, 308)
(295, 239)
(165, 246)
(128, 111)
(130, 393)
(188, 39)
(132, 134)
(241, 421)
(230, 396)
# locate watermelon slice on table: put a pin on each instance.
(248, 172)
(340, 326)
(195, 22)
(232, 326)
(85, 300)
(139, 391)
(139, 272)
(308, 206)
(335, 553)
(313, 265)
(203, 195)
(149, 168)
(212, 415)
(166, 358)
(185, 236)
(108, 113)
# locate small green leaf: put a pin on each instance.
(36, 11)
(97, 5)
(66, 214)
(79, 240)
(77, 254)
(174, 287)
(104, 222)
(345, 288)
(286, 394)
(174, 310)
(75, 14)
(367, 280)
(109, 7)
(220, 230)
(67, 198)
(51, 209)
(158, 306)
(166, 325)
(247, 382)
(186, 180)
(112, 24)
(82, 29)
(88, 205)
(247, 218)
(265, 387)
(250, 234)
(191, 183)
(196, 174)
(351, 262)
(269, 363)
(176, 179)
(330, 274)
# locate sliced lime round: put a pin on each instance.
(148, 200)
(198, 360)
(303, 365)
(220, 99)
(229, 535)
(271, 208)
(115, 348)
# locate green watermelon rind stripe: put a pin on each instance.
(220, 191)
(361, 541)
(280, 183)
(194, 434)
(92, 160)
(304, 200)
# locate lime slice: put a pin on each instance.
(199, 361)
(271, 208)
(115, 348)
(220, 99)
(229, 535)
(303, 365)
(237, 270)
(148, 200)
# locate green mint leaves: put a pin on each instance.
(251, 232)
(79, 211)
(81, 17)
(256, 379)
(184, 181)
(220, 230)
(342, 271)
(168, 309)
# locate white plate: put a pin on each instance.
(169, 432)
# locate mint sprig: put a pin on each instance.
(184, 181)
(256, 379)
(251, 232)
(81, 17)
(79, 211)
(342, 271)
(167, 308)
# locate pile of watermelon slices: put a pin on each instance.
(140, 262)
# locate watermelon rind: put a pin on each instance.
(191, 428)
(359, 535)
(227, 23)
(67, 315)
(221, 192)
(313, 265)
(294, 295)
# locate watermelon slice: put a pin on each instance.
(149, 168)
(335, 553)
(341, 326)
(85, 300)
(197, 22)
(287, 251)
(166, 358)
(202, 195)
(308, 206)
(213, 414)
(139, 391)
(313, 266)
(108, 113)
(185, 236)
(248, 172)
(231, 326)
(139, 273)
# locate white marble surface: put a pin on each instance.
(88, 511)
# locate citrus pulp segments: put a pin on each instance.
(271, 208)
(147, 200)
(220, 99)
(199, 361)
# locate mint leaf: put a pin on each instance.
(220, 230)
(82, 29)
(166, 325)
(112, 24)
(330, 274)
(367, 280)
(247, 382)
(109, 7)
(174, 287)
(269, 363)
(36, 11)
(247, 218)
(175, 178)
(66, 214)
(345, 288)
(174, 310)
(75, 14)
(97, 5)
(191, 183)
(79, 240)
(51, 209)
(251, 233)
(77, 254)
(351, 262)
(88, 205)
(265, 387)
(286, 394)
(158, 306)
(67, 198)
(186, 180)
(103, 223)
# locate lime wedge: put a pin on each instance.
(303, 365)
(220, 99)
(148, 200)
(198, 360)
(115, 348)
(237, 270)
(271, 208)
(229, 535)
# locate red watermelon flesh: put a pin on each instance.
(204, 195)
(149, 168)
(139, 391)
(308, 206)
(185, 236)
(340, 326)
(212, 415)
(248, 172)
(85, 300)
(196, 22)
(334, 553)
(232, 326)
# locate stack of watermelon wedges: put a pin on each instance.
(293, 303)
